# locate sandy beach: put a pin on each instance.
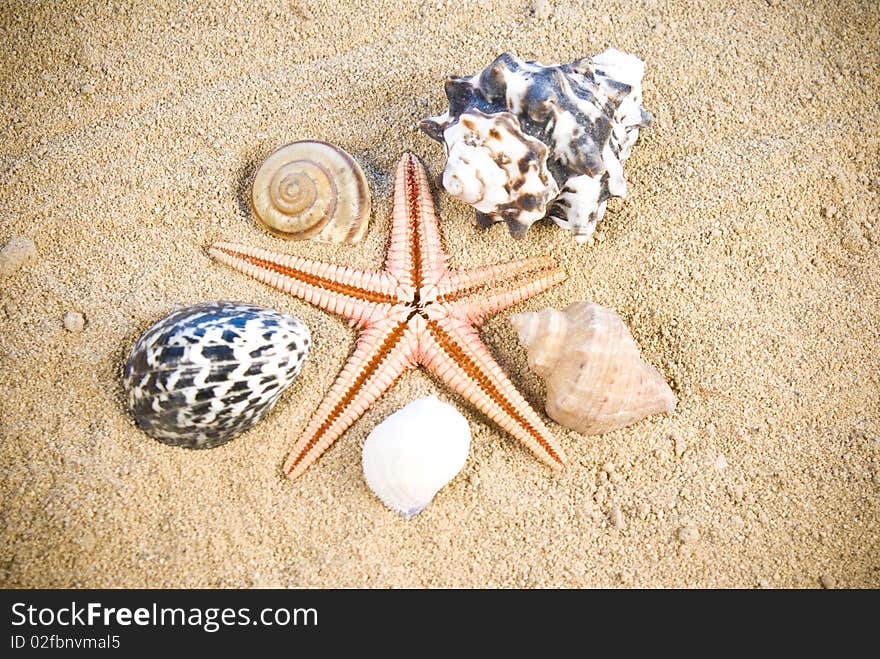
(745, 260)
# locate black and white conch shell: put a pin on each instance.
(526, 141)
(206, 373)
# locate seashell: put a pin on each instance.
(485, 153)
(526, 141)
(206, 373)
(596, 380)
(414, 452)
(312, 190)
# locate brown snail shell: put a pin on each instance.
(596, 379)
(312, 190)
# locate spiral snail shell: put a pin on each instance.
(312, 190)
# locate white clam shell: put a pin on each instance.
(414, 452)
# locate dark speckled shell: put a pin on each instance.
(587, 113)
(206, 373)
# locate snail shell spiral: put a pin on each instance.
(312, 190)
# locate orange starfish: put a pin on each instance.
(414, 312)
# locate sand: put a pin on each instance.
(745, 260)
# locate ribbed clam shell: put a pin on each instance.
(208, 372)
(312, 190)
(585, 117)
(596, 379)
(414, 452)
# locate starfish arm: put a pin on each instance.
(480, 305)
(415, 253)
(456, 283)
(382, 353)
(454, 352)
(354, 294)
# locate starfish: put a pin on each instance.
(416, 311)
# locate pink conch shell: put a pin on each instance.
(596, 380)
